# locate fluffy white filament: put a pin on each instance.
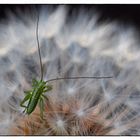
(80, 48)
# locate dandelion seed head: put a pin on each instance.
(70, 46)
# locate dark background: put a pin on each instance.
(126, 13)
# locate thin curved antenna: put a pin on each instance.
(61, 78)
(41, 66)
(68, 78)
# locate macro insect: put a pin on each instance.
(37, 95)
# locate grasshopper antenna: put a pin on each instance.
(68, 78)
(41, 65)
(61, 78)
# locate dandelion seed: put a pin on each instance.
(80, 113)
(71, 91)
(60, 123)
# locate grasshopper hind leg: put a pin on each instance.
(41, 106)
(26, 98)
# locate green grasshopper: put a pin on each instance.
(39, 87)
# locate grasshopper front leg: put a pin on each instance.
(44, 96)
(47, 88)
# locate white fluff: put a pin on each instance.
(82, 48)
